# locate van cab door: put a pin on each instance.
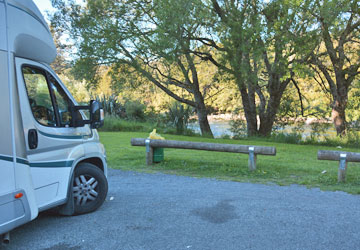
(53, 146)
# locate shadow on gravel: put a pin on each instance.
(63, 247)
(221, 213)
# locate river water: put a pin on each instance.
(221, 128)
(218, 127)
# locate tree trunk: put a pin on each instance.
(267, 122)
(276, 91)
(340, 101)
(204, 123)
(338, 116)
(250, 112)
(202, 116)
(266, 126)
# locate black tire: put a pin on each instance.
(89, 188)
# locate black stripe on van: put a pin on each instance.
(54, 164)
(6, 158)
(10, 159)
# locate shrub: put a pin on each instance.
(135, 110)
(114, 123)
(111, 106)
(178, 116)
(237, 125)
(292, 138)
(318, 130)
(238, 128)
(298, 127)
(353, 138)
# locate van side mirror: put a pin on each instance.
(96, 115)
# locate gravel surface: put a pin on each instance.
(158, 211)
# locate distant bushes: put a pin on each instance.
(317, 133)
(135, 110)
(178, 116)
(238, 125)
(128, 109)
(114, 123)
(135, 116)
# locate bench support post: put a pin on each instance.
(342, 168)
(149, 152)
(252, 159)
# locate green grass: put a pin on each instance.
(293, 164)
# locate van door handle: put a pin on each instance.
(32, 138)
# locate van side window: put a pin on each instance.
(62, 102)
(39, 96)
(49, 102)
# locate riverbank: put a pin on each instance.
(221, 127)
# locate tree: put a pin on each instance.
(336, 60)
(60, 63)
(152, 37)
(259, 44)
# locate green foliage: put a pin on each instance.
(353, 106)
(132, 110)
(238, 125)
(281, 133)
(135, 110)
(152, 38)
(238, 128)
(351, 140)
(114, 123)
(291, 138)
(141, 55)
(178, 116)
(318, 130)
(111, 106)
(298, 127)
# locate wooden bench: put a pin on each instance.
(342, 157)
(253, 151)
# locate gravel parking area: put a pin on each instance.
(158, 211)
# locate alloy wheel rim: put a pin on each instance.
(85, 189)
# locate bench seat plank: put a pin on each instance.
(234, 148)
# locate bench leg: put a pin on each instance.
(342, 168)
(149, 153)
(252, 159)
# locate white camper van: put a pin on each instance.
(50, 154)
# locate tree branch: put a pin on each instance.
(299, 94)
(325, 72)
(146, 74)
(208, 57)
(208, 42)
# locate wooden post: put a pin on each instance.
(252, 159)
(342, 168)
(342, 157)
(149, 152)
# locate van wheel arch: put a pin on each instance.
(94, 160)
(69, 207)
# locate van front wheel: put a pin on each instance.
(90, 188)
